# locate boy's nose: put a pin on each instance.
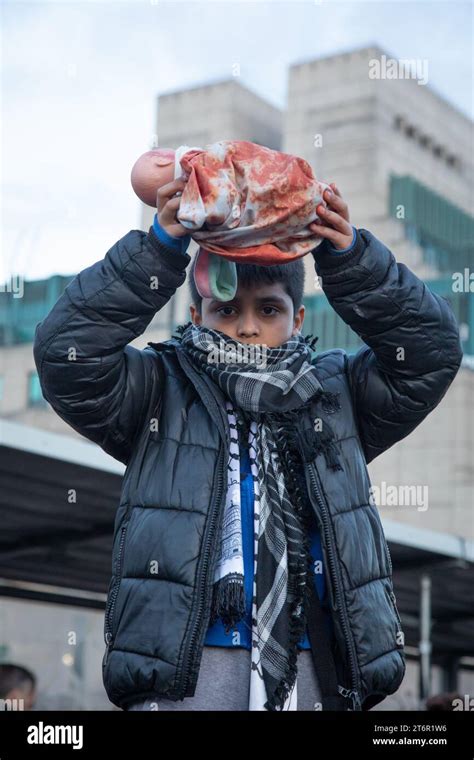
(247, 328)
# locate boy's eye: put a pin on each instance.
(222, 309)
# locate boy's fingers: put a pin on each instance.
(335, 201)
(173, 204)
(171, 188)
(167, 191)
(336, 220)
(167, 214)
(335, 237)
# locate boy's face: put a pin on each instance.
(261, 315)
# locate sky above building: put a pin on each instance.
(80, 81)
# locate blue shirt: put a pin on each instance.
(241, 634)
(178, 243)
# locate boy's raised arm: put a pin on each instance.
(413, 349)
(92, 378)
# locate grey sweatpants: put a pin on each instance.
(224, 681)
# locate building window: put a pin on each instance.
(425, 141)
(35, 395)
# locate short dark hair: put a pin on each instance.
(14, 677)
(291, 275)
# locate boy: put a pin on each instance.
(182, 423)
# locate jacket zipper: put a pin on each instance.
(391, 592)
(202, 582)
(354, 693)
(389, 557)
(210, 403)
(394, 602)
(114, 594)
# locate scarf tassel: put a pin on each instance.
(228, 601)
(324, 445)
(297, 630)
(330, 401)
(311, 443)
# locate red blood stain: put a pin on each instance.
(276, 191)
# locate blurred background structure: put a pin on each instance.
(402, 156)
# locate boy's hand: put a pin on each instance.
(334, 223)
(167, 207)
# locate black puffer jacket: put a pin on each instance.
(150, 410)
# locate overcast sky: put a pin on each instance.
(80, 80)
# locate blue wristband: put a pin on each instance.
(349, 247)
(180, 243)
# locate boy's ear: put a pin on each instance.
(196, 317)
(299, 319)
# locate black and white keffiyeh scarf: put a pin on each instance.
(265, 392)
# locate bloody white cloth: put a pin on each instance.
(245, 202)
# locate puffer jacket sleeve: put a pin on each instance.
(89, 374)
(413, 349)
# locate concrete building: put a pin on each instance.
(357, 127)
(403, 159)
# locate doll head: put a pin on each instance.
(151, 171)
